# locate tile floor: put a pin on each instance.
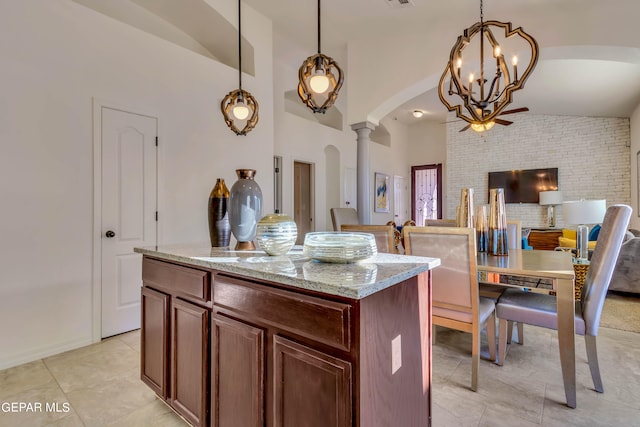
(98, 385)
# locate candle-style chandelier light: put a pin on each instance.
(239, 107)
(476, 96)
(320, 79)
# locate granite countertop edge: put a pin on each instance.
(299, 269)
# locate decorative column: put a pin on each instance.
(363, 130)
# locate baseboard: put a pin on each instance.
(42, 352)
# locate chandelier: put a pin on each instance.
(239, 107)
(320, 79)
(472, 93)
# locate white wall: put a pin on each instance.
(591, 154)
(56, 57)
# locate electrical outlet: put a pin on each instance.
(396, 354)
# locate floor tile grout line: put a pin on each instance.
(44, 362)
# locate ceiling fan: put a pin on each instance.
(484, 127)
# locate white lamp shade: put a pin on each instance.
(584, 211)
(550, 198)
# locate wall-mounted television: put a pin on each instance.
(524, 186)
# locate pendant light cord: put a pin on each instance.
(318, 26)
(239, 45)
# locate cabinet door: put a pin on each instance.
(154, 354)
(237, 374)
(189, 357)
(312, 389)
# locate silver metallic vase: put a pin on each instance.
(245, 209)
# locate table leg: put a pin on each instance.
(566, 338)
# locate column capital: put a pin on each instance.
(363, 125)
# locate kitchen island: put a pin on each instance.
(243, 339)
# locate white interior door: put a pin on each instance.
(129, 203)
(350, 189)
(400, 209)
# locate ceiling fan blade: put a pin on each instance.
(515, 110)
(502, 122)
(464, 128)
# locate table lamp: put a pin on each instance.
(581, 213)
(551, 199)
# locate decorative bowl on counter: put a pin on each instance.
(339, 247)
(276, 234)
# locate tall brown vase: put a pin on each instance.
(219, 227)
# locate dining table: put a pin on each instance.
(556, 268)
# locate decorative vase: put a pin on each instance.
(276, 233)
(219, 227)
(245, 209)
(465, 212)
(498, 242)
(482, 233)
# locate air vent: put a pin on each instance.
(398, 4)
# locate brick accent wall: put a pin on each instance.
(591, 154)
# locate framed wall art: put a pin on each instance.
(381, 195)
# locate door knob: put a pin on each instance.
(110, 234)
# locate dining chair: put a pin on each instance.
(397, 237)
(383, 234)
(341, 216)
(455, 300)
(541, 310)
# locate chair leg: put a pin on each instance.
(592, 358)
(475, 356)
(491, 336)
(502, 341)
(510, 332)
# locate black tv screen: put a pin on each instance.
(524, 186)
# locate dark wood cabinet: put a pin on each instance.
(231, 351)
(175, 350)
(311, 388)
(237, 374)
(154, 353)
(189, 361)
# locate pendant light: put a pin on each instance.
(480, 98)
(239, 107)
(320, 79)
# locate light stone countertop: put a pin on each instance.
(355, 280)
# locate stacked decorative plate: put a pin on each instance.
(339, 247)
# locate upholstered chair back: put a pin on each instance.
(603, 261)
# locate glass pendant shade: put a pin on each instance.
(240, 111)
(481, 127)
(319, 82)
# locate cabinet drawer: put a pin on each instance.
(328, 322)
(183, 281)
